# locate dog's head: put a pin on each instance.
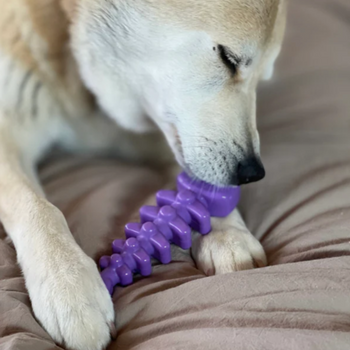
(191, 67)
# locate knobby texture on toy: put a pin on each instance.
(170, 222)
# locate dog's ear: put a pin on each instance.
(69, 7)
(276, 39)
(270, 67)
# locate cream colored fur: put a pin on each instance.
(98, 76)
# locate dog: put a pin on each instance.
(140, 79)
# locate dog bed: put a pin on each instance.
(300, 212)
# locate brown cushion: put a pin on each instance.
(300, 212)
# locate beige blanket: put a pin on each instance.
(301, 213)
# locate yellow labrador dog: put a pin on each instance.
(100, 76)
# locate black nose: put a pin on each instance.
(250, 170)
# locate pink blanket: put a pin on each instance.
(301, 213)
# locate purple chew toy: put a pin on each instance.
(170, 222)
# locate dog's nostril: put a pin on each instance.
(250, 170)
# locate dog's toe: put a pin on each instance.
(226, 251)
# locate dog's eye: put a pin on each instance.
(230, 61)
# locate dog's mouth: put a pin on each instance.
(189, 165)
(199, 166)
(178, 149)
(176, 145)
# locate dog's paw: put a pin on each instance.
(71, 302)
(226, 250)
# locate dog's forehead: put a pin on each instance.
(227, 21)
(244, 26)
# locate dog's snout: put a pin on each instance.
(250, 170)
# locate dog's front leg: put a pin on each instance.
(67, 293)
(229, 247)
